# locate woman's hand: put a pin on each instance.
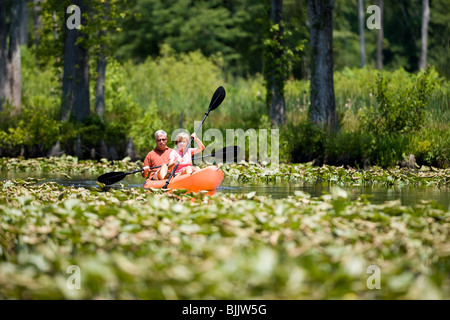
(146, 168)
(194, 135)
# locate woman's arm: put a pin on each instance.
(200, 145)
(174, 157)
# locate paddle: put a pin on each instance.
(216, 100)
(113, 177)
(225, 153)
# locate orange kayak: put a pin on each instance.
(208, 179)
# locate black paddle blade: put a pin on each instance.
(217, 98)
(111, 177)
(227, 154)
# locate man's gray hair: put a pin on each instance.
(160, 132)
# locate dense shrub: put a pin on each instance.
(399, 109)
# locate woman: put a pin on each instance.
(185, 164)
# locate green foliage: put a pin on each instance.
(133, 245)
(143, 130)
(386, 149)
(91, 131)
(278, 58)
(348, 148)
(209, 26)
(121, 109)
(431, 146)
(402, 110)
(33, 128)
(412, 104)
(439, 37)
(175, 83)
(100, 24)
(304, 141)
(40, 86)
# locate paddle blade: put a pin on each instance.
(217, 98)
(227, 154)
(111, 177)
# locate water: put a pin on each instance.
(408, 195)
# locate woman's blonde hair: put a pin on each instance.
(182, 135)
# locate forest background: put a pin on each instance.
(134, 67)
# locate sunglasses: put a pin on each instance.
(159, 140)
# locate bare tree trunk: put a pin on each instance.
(100, 85)
(23, 29)
(37, 22)
(277, 103)
(101, 71)
(69, 74)
(3, 55)
(10, 76)
(362, 46)
(425, 20)
(75, 91)
(380, 37)
(323, 106)
(14, 58)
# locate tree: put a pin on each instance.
(75, 90)
(37, 22)
(23, 28)
(380, 37)
(275, 68)
(232, 28)
(10, 79)
(425, 20)
(323, 107)
(362, 24)
(98, 19)
(101, 69)
(439, 41)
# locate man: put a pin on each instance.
(157, 157)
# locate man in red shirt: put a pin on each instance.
(157, 157)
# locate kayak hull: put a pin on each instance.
(208, 178)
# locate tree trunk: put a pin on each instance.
(100, 85)
(75, 91)
(23, 20)
(14, 57)
(425, 20)
(362, 46)
(3, 55)
(10, 75)
(380, 37)
(277, 103)
(323, 107)
(37, 22)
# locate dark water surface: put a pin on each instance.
(408, 195)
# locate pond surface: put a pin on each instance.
(408, 195)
